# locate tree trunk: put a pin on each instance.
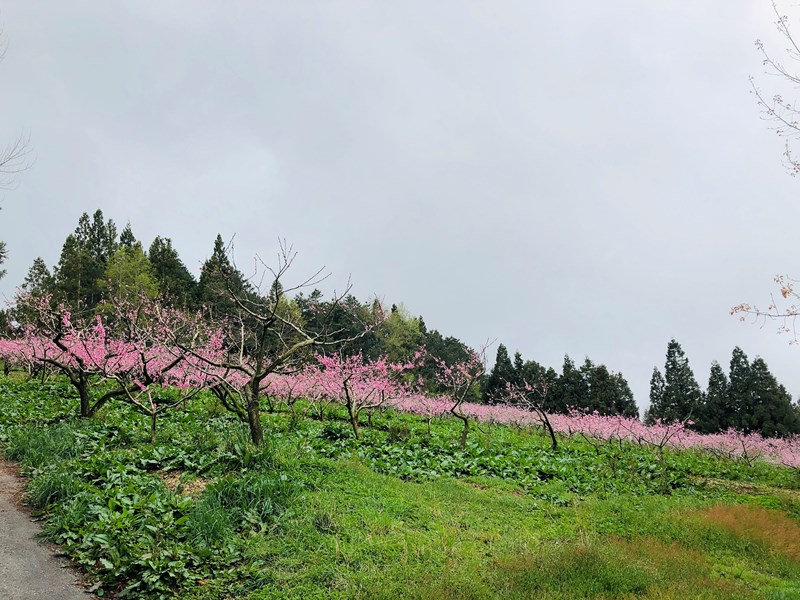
(354, 422)
(464, 432)
(254, 419)
(83, 392)
(351, 412)
(153, 416)
(546, 421)
(455, 412)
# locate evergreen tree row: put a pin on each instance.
(96, 263)
(748, 398)
(588, 388)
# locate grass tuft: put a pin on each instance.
(52, 487)
(38, 447)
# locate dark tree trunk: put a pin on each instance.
(352, 412)
(82, 385)
(546, 421)
(254, 417)
(465, 419)
(153, 416)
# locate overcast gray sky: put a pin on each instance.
(577, 177)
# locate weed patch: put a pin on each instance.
(770, 529)
(611, 568)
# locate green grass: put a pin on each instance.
(201, 513)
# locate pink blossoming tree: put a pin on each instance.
(361, 385)
(262, 335)
(458, 379)
(77, 347)
(126, 345)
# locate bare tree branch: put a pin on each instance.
(784, 114)
(14, 159)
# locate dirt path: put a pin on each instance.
(28, 569)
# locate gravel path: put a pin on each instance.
(28, 569)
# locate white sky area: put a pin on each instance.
(579, 177)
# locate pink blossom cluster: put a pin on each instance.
(323, 383)
(134, 351)
(732, 443)
(368, 383)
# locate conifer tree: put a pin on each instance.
(519, 369)
(543, 378)
(739, 396)
(602, 390)
(175, 283)
(572, 387)
(220, 281)
(83, 261)
(126, 238)
(625, 404)
(657, 385)
(681, 396)
(716, 413)
(502, 374)
(607, 393)
(532, 372)
(547, 378)
(97, 235)
(38, 281)
(771, 412)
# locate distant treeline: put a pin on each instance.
(747, 399)
(97, 263)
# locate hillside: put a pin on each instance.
(400, 513)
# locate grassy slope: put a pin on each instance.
(398, 514)
(361, 534)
